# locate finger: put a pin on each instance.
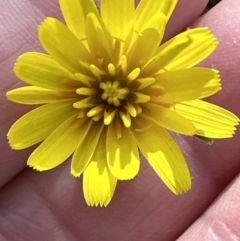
(18, 35)
(221, 221)
(19, 21)
(184, 15)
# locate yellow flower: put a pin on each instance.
(109, 90)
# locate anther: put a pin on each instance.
(96, 110)
(111, 69)
(133, 75)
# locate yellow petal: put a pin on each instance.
(148, 8)
(63, 45)
(36, 95)
(158, 22)
(188, 84)
(169, 119)
(58, 146)
(98, 39)
(185, 50)
(165, 157)
(39, 123)
(210, 120)
(118, 17)
(98, 182)
(41, 70)
(142, 50)
(122, 153)
(86, 148)
(75, 12)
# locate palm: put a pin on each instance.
(50, 206)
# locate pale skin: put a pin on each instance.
(50, 205)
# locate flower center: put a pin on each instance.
(113, 93)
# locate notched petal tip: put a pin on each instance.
(16, 147)
(36, 168)
(44, 24)
(46, 20)
(97, 203)
(210, 120)
(98, 190)
(12, 143)
(15, 67)
(127, 176)
(237, 119)
(183, 186)
(165, 157)
(74, 173)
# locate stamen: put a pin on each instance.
(140, 98)
(87, 91)
(103, 85)
(115, 84)
(109, 116)
(96, 110)
(85, 103)
(138, 108)
(130, 109)
(133, 75)
(84, 64)
(126, 118)
(104, 96)
(96, 71)
(160, 71)
(114, 100)
(98, 117)
(85, 79)
(111, 69)
(123, 92)
(144, 82)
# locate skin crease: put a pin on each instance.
(50, 206)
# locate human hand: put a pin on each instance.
(50, 206)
